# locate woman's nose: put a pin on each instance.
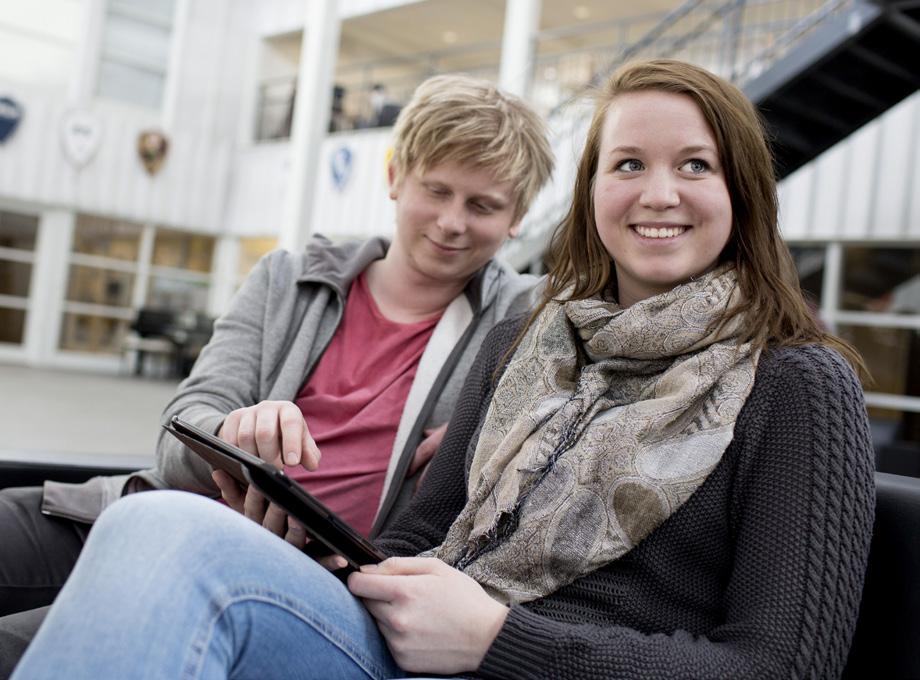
(660, 191)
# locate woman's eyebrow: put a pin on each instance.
(625, 149)
(696, 148)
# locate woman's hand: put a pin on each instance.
(276, 432)
(434, 618)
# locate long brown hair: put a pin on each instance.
(773, 311)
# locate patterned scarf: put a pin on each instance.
(604, 423)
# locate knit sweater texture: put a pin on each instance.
(758, 575)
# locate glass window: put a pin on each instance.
(251, 251)
(92, 333)
(809, 262)
(12, 325)
(100, 286)
(177, 295)
(183, 250)
(881, 280)
(136, 38)
(108, 238)
(158, 9)
(892, 356)
(130, 84)
(275, 109)
(17, 231)
(143, 41)
(15, 277)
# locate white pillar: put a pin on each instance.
(312, 104)
(177, 55)
(522, 23)
(86, 61)
(224, 274)
(50, 273)
(831, 284)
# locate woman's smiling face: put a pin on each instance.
(661, 203)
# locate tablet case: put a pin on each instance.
(320, 522)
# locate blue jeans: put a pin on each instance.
(172, 585)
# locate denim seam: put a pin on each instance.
(193, 666)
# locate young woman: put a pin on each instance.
(665, 472)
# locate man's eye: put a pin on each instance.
(630, 165)
(481, 208)
(695, 166)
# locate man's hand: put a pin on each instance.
(252, 503)
(427, 448)
(434, 618)
(270, 429)
(276, 432)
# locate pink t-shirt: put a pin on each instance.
(353, 402)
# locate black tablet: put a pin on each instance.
(320, 522)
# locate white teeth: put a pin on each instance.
(659, 232)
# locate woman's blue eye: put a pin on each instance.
(630, 165)
(696, 166)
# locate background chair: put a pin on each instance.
(887, 639)
(151, 335)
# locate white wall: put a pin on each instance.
(216, 69)
(214, 89)
(38, 40)
(189, 191)
(276, 17)
(865, 188)
(215, 180)
(360, 207)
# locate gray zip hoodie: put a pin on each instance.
(270, 340)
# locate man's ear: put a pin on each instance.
(391, 179)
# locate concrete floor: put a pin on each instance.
(84, 418)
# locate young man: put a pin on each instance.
(355, 351)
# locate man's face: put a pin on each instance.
(451, 219)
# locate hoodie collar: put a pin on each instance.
(337, 264)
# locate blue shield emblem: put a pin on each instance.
(340, 164)
(10, 115)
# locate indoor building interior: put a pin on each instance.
(112, 272)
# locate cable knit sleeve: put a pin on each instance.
(799, 496)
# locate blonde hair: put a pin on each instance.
(773, 311)
(456, 118)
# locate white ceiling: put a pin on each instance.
(439, 25)
(401, 42)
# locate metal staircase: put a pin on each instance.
(850, 70)
(817, 73)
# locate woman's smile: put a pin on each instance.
(660, 230)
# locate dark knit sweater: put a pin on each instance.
(757, 575)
